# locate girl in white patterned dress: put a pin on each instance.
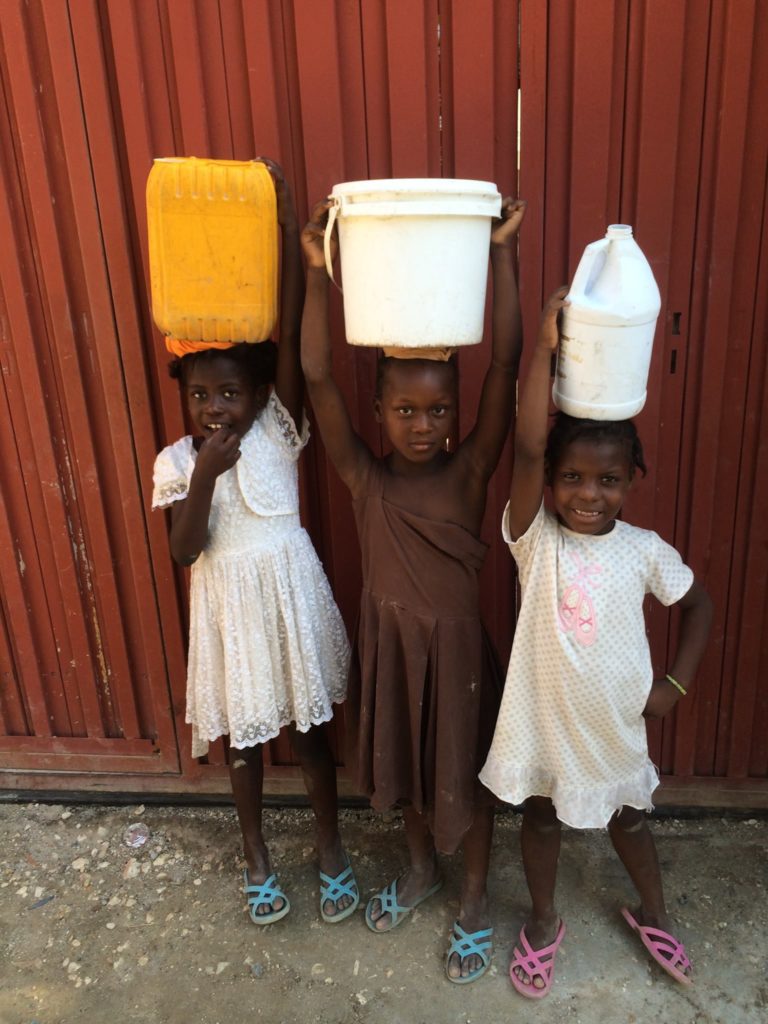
(570, 740)
(267, 646)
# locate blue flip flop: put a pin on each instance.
(266, 893)
(333, 888)
(466, 944)
(389, 905)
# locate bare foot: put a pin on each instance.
(473, 917)
(662, 922)
(332, 860)
(259, 870)
(410, 889)
(540, 932)
(648, 920)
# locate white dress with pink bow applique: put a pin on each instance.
(570, 726)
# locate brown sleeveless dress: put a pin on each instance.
(425, 683)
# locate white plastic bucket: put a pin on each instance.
(607, 331)
(414, 259)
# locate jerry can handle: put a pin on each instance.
(586, 263)
(332, 214)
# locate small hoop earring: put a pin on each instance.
(447, 444)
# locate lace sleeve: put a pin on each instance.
(170, 481)
(282, 428)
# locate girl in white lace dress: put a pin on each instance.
(570, 738)
(267, 646)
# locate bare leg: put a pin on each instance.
(540, 843)
(246, 772)
(634, 844)
(473, 912)
(316, 759)
(423, 871)
(633, 841)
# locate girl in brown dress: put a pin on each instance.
(425, 684)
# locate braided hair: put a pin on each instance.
(567, 429)
(256, 363)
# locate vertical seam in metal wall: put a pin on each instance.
(166, 48)
(624, 114)
(108, 702)
(367, 159)
(130, 455)
(694, 246)
(365, 86)
(545, 163)
(132, 230)
(21, 210)
(734, 603)
(295, 115)
(439, 44)
(759, 275)
(21, 214)
(688, 384)
(102, 249)
(134, 263)
(60, 447)
(226, 80)
(519, 161)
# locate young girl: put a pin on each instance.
(267, 646)
(424, 682)
(570, 740)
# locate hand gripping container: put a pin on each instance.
(213, 250)
(414, 259)
(607, 331)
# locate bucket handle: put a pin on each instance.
(332, 214)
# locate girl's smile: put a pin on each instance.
(220, 398)
(589, 485)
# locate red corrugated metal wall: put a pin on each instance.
(643, 112)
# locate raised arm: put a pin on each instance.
(695, 620)
(346, 450)
(494, 416)
(289, 382)
(531, 430)
(189, 525)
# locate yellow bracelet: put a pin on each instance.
(676, 685)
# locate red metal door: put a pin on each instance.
(667, 130)
(83, 668)
(618, 122)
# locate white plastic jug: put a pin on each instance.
(607, 331)
(414, 259)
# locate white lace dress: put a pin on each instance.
(570, 725)
(267, 644)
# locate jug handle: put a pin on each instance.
(586, 263)
(332, 214)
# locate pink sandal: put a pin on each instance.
(665, 949)
(537, 963)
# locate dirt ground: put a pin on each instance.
(92, 931)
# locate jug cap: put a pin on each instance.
(619, 231)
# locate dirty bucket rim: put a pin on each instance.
(449, 186)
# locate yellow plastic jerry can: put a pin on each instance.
(213, 251)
